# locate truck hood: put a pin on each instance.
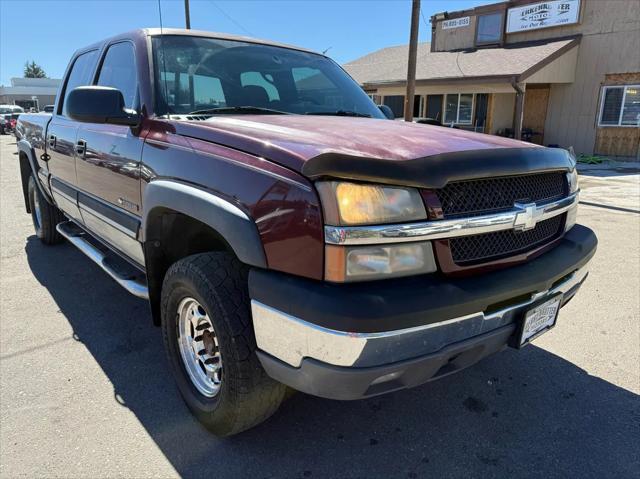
(293, 140)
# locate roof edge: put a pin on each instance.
(444, 80)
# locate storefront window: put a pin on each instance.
(489, 29)
(396, 103)
(466, 108)
(620, 106)
(458, 108)
(451, 109)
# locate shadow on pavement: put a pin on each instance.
(527, 413)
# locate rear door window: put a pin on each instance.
(80, 75)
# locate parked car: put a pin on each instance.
(8, 118)
(285, 233)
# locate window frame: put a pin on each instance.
(60, 101)
(603, 94)
(500, 41)
(103, 55)
(458, 122)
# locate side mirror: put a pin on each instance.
(388, 112)
(99, 104)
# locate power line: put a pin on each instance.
(237, 24)
(426, 24)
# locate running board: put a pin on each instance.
(132, 282)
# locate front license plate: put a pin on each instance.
(539, 320)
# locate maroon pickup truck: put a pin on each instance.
(285, 232)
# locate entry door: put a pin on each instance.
(536, 99)
(480, 117)
(108, 164)
(434, 107)
(417, 103)
(61, 138)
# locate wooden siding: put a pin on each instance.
(454, 38)
(622, 79)
(536, 99)
(619, 141)
(612, 141)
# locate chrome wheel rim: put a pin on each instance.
(36, 210)
(199, 347)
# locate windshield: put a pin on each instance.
(202, 75)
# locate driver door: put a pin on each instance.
(108, 162)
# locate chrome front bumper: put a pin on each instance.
(291, 340)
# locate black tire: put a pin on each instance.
(44, 224)
(247, 396)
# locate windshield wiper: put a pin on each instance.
(339, 113)
(238, 109)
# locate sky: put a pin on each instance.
(49, 31)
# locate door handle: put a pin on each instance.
(52, 141)
(81, 147)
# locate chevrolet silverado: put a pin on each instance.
(288, 234)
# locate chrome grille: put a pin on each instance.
(469, 250)
(490, 195)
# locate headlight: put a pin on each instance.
(362, 263)
(572, 180)
(346, 203)
(572, 214)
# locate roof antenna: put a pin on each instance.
(164, 65)
(326, 50)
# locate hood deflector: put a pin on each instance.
(438, 170)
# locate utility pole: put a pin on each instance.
(187, 18)
(413, 54)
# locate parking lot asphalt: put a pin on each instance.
(85, 390)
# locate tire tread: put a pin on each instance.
(255, 395)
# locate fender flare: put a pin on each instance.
(25, 147)
(226, 218)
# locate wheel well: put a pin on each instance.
(25, 173)
(171, 236)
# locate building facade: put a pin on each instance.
(557, 72)
(30, 92)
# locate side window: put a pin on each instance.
(489, 29)
(80, 74)
(458, 108)
(119, 71)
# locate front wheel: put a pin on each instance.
(210, 343)
(44, 215)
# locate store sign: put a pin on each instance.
(456, 23)
(543, 15)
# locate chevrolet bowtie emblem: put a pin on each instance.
(527, 218)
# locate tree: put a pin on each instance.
(33, 70)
